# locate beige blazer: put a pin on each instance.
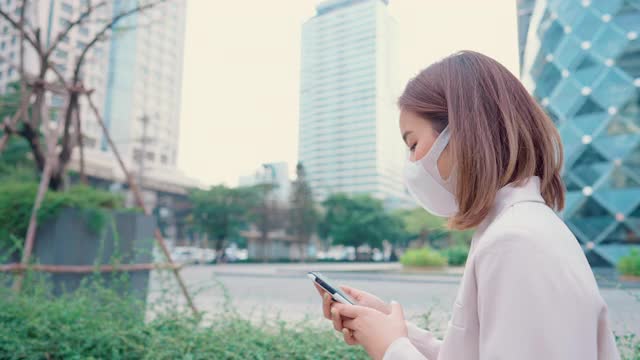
(527, 293)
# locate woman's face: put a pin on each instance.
(419, 136)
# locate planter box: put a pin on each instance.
(125, 238)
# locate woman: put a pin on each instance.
(483, 154)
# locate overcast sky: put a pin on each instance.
(242, 69)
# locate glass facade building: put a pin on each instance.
(581, 61)
(348, 137)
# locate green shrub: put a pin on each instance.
(424, 257)
(630, 264)
(456, 255)
(96, 323)
(16, 203)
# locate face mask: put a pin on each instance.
(425, 184)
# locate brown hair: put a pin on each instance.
(499, 134)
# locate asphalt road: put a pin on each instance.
(284, 292)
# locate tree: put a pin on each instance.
(430, 229)
(51, 152)
(15, 162)
(221, 212)
(303, 213)
(358, 220)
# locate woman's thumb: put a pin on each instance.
(396, 309)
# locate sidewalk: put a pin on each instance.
(343, 271)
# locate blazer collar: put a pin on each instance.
(511, 194)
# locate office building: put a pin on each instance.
(582, 64)
(52, 17)
(349, 139)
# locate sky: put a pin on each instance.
(242, 68)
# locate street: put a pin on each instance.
(270, 291)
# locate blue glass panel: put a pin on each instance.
(590, 174)
(593, 226)
(614, 89)
(588, 25)
(614, 147)
(607, 6)
(572, 200)
(570, 12)
(589, 123)
(566, 98)
(588, 75)
(618, 200)
(568, 53)
(609, 42)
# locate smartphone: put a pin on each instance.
(335, 292)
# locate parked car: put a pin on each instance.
(184, 254)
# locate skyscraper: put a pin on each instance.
(349, 139)
(142, 105)
(582, 64)
(52, 17)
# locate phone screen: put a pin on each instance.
(324, 283)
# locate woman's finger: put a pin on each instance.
(320, 290)
(349, 324)
(348, 337)
(352, 311)
(337, 320)
(326, 305)
(354, 293)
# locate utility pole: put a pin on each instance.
(144, 140)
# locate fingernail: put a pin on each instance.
(325, 296)
(394, 302)
(345, 331)
(334, 311)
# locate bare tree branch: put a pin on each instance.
(70, 26)
(108, 27)
(50, 160)
(20, 27)
(80, 141)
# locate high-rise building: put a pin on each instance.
(142, 105)
(349, 138)
(582, 64)
(52, 17)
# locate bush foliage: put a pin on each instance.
(423, 257)
(456, 255)
(630, 264)
(97, 323)
(16, 203)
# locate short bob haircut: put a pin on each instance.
(499, 134)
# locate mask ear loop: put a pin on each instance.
(434, 154)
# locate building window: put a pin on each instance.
(64, 22)
(67, 8)
(84, 30)
(61, 54)
(163, 159)
(81, 44)
(13, 39)
(2, 45)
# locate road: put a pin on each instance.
(269, 291)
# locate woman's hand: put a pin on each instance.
(363, 298)
(372, 329)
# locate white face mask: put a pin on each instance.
(425, 184)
